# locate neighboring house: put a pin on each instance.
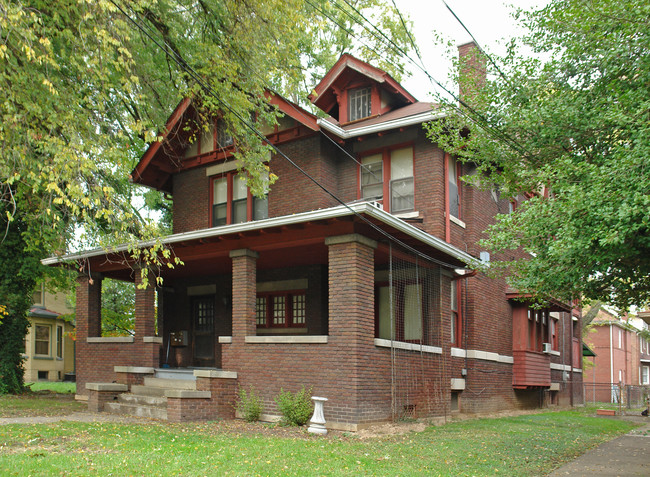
(373, 304)
(622, 356)
(49, 349)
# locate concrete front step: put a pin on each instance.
(148, 391)
(170, 383)
(142, 400)
(175, 373)
(152, 412)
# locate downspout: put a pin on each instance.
(571, 356)
(446, 183)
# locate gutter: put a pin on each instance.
(380, 127)
(340, 211)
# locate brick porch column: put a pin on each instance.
(89, 306)
(352, 316)
(145, 312)
(89, 324)
(148, 348)
(244, 292)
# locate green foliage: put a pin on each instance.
(249, 404)
(572, 118)
(296, 408)
(19, 271)
(118, 308)
(84, 91)
(52, 387)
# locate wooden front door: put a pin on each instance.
(203, 330)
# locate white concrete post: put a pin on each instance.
(317, 423)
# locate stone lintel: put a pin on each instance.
(152, 339)
(134, 369)
(213, 373)
(243, 252)
(349, 238)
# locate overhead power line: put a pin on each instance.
(175, 56)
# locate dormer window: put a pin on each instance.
(359, 103)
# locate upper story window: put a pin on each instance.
(453, 189)
(233, 203)
(540, 329)
(208, 139)
(387, 177)
(359, 103)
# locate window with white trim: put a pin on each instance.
(456, 313)
(645, 375)
(42, 340)
(453, 186)
(59, 341)
(387, 177)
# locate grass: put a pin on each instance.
(42, 399)
(516, 446)
(53, 386)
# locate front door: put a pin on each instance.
(203, 329)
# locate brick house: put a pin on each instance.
(622, 356)
(371, 301)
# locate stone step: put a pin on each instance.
(170, 383)
(151, 412)
(143, 400)
(147, 391)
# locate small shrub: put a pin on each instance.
(249, 404)
(296, 408)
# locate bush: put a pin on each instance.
(249, 404)
(296, 408)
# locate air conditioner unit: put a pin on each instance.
(546, 347)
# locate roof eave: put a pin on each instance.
(381, 127)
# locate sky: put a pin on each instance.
(489, 21)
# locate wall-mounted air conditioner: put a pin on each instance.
(546, 347)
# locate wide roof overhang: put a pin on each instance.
(292, 240)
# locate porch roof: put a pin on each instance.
(294, 240)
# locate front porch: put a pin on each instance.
(278, 307)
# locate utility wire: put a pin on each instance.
(477, 44)
(188, 69)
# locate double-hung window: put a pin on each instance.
(456, 313)
(359, 105)
(59, 341)
(387, 177)
(233, 203)
(281, 309)
(453, 189)
(42, 340)
(399, 317)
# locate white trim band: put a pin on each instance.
(484, 355)
(110, 339)
(407, 346)
(312, 339)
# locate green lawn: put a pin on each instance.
(53, 386)
(42, 399)
(517, 446)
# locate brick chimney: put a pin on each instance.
(472, 71)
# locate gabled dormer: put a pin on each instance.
(354, 90)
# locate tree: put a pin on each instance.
(573, 120)
(88, 83)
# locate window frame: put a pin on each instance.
(458, 169)
(49, 340)
(230, 177)
(359, 94)
(289, 318)
(456, 318)
(214, 124)
(387, 180)
(539, 329)
(400, 324)
(59, 341)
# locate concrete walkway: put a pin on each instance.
(628, 455)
